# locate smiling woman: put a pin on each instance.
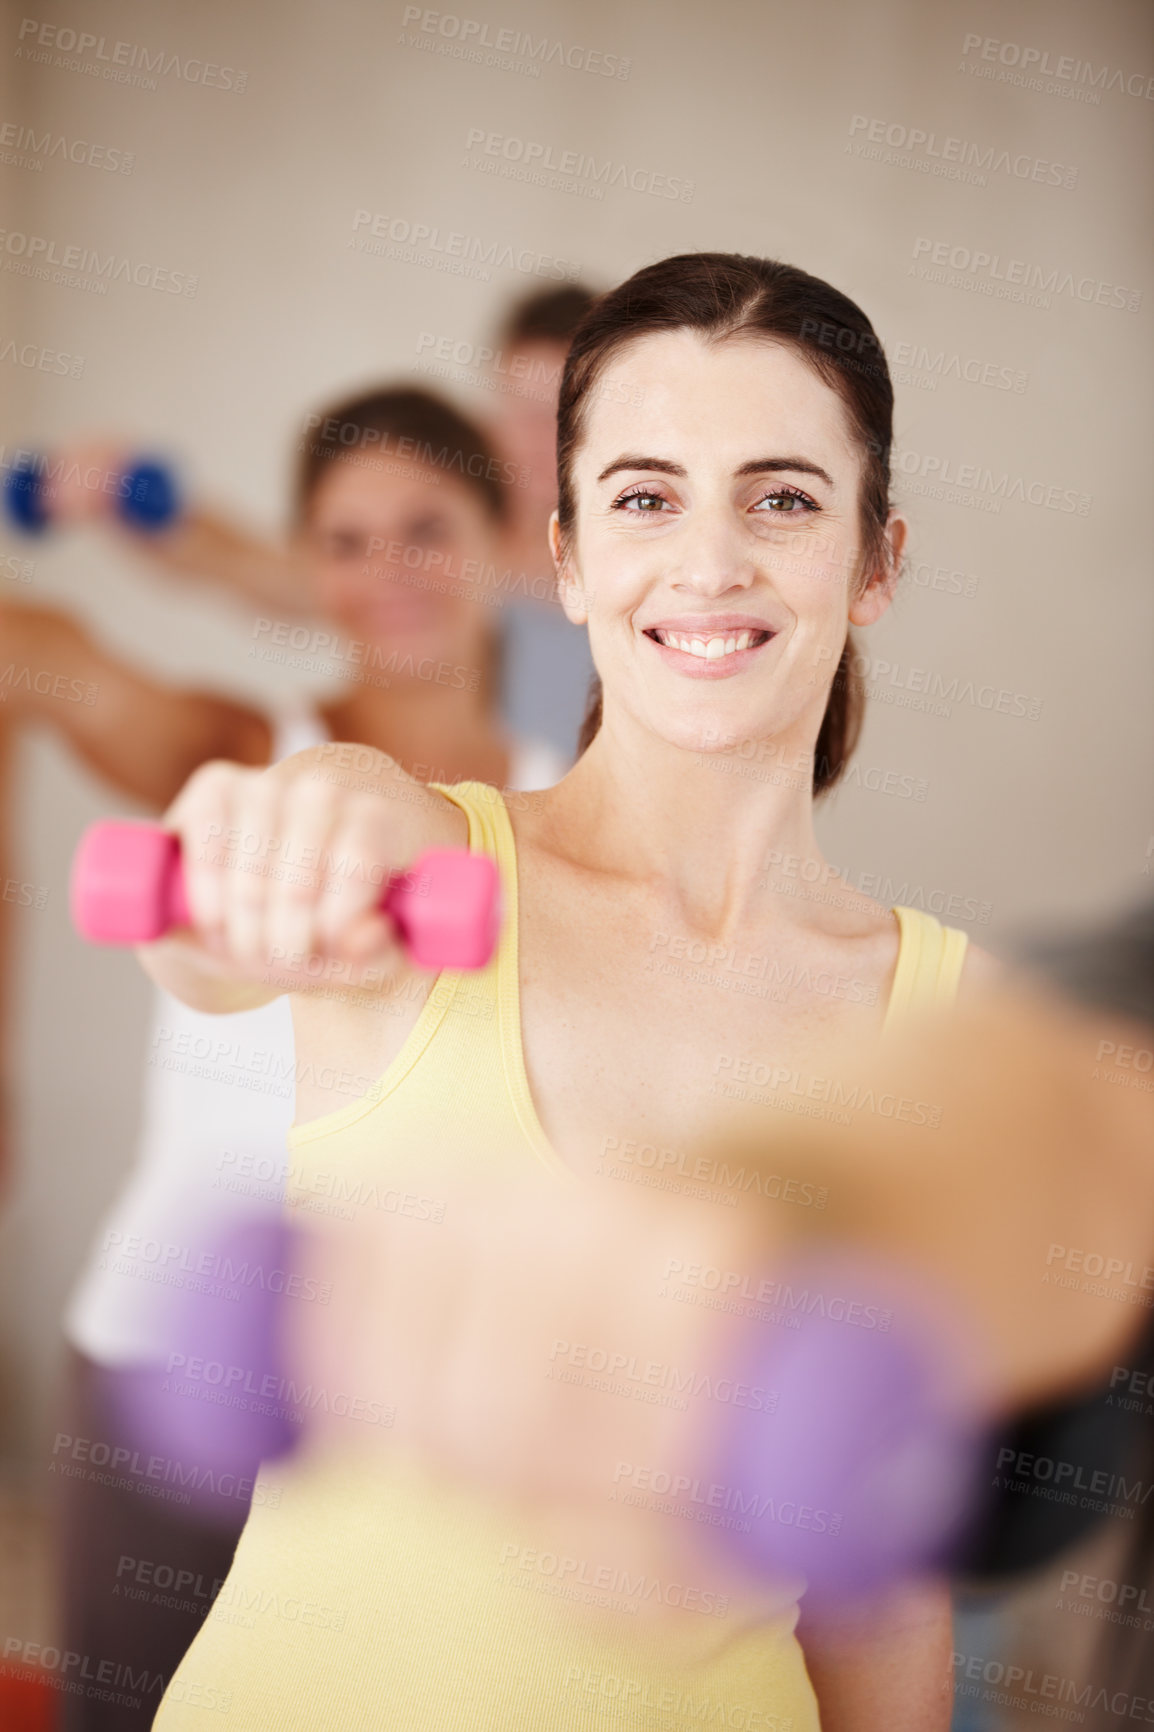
(726, 297)
(723, 520)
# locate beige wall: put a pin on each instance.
(1027, 818)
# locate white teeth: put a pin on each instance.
(708, 649)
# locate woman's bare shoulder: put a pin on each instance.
(982, 971)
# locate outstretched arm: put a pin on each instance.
(207, 545)
(144, 737)
(284, 870)
(203, 544)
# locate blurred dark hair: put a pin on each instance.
(412, 425)
(725, 295)
(546, 315)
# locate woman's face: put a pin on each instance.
(399, 556)
(716, 546)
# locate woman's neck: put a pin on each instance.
(713, 827)
(438, 733)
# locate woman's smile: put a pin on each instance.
(710, 646)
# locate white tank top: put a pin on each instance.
(218, 1103)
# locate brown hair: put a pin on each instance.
(547, 315)
(725, 295)
(416, 426)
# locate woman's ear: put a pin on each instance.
(877, 592)
(570, 590)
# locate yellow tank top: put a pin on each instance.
(359, 1601)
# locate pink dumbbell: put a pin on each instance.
(128, 888)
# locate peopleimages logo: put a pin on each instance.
(911, 360)
(951, 157)
(467, 37)
(37, 256)
(376, 226)
(119, 62)
(1021, 1687)
(40, 360)
(1034, 64)
(529, 159)
(1013, 279)
(861, 352)
(24, 147)
(978, 479)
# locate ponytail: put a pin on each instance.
(841, 725)
(592, 719)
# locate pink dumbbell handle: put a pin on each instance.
(128, 888)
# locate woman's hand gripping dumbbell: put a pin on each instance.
(269, 868)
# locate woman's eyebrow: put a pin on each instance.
(775, 465)
(756, 466)
(629, 461)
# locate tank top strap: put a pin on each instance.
(929, 966)
(490, 832)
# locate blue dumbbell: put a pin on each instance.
(146, 499)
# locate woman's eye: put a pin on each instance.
(424, 530)
(341, 546)
(643, 500)
(787, 504)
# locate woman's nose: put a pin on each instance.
(712, 558)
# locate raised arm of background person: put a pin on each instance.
(144, 737)
(207, 545)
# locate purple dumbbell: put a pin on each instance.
(222, 1399)
(864, 1473)
(128, 888)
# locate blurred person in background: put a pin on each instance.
(549, 660)
(400, 507)
(547, 666)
